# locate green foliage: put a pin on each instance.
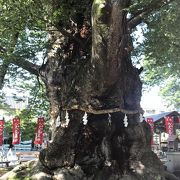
(171, 91)
(28, 129)
(7, 128)
(2, 101)
(23, 34)
(16, 16)
(24, 26)
(38, 106)
(161, 50)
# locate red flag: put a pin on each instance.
(16, 131)
(39, 131)
(151, 123)
(179, 119)
(1, 131)
(169, 125)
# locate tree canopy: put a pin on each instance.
(161, 48)
(82, 51)
(24, 28)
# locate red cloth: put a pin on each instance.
(151, 123)
(39, 131)
(169, 125)
(1, 131)
(16, 131)
(179, 119)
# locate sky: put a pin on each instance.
(10, 92)
(151, 100)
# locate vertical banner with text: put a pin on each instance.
(16, 131)
(1, 131)
(151, 123)
(169, 125)
(39, 131)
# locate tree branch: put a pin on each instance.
(3, 71)
(65, 33)
(139, 15)
(2, 49)
(5, 63)
(18, 61)
(9, 57)
(28, 66)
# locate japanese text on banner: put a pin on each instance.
(16, 131)
(1, 131)
(169, 125)
(39, 131)
(151, 123)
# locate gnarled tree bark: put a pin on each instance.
(101, 81)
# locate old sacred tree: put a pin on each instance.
(89, 70)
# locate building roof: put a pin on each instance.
(159, 117)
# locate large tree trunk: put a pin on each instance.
(102, 82)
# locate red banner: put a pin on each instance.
(179, 119)
(16, 131)
(1, 131)
(39, 131)
(169, 125)
(151, 123)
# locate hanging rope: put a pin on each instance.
(105, 111)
